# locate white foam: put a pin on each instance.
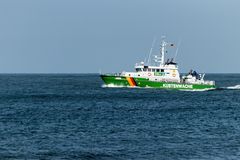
(197, 90)
(112, 86)
(117, 86)
(234, 87)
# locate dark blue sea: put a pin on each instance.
(71, 116)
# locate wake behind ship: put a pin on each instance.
(162, 75)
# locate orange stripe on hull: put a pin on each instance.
(131, 81)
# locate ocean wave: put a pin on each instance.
(233, 87)
(118, 86)
(197, 90)
(112, 86)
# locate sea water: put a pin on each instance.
(71, 116)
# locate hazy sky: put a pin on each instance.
(84, 36)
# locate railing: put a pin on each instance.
(113, 74)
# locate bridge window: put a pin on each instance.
(162, 70)
(138, 69)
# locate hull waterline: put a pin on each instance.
(145, 82)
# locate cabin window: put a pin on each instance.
(138, 69)
(153, 70)
(144, 69)
(157, 70)
(162, 70)
(149, 70)
(129, 74)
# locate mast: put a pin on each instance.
(160, 59)
(163, 45)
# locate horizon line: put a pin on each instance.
(96, 73)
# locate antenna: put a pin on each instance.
(176, 53)
(150, 52)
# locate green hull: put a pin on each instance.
(144, 82)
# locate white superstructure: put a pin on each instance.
(165, 71)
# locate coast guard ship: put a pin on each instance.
(162, 75)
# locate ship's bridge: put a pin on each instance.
(161, 68)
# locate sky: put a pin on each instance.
(89, 36)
